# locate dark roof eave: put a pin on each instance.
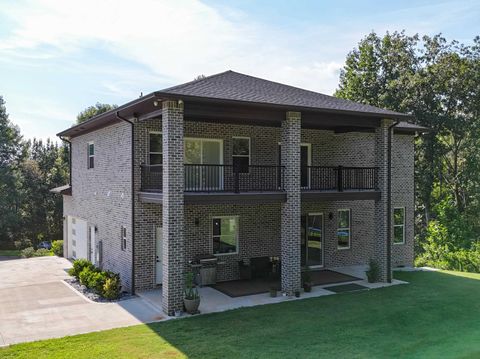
(105, 115)
(168, 96)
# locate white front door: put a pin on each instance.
(159, 254)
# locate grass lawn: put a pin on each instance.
(10, 252)
(436, 316)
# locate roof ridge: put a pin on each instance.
(194, 81)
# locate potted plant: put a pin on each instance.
(307, 281)
(297, 294)
(273, 292)
(191, 298)
(373, 273)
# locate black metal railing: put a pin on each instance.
(253, 178)
(322, 178)
(152, 178)
(218, 178)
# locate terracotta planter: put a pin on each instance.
(191, 305)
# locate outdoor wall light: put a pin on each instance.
(155, 103)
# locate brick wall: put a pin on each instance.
(102, 195)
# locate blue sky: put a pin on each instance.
(58, 57)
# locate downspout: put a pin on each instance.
(389, 201)
(69, 159)
(132, 127)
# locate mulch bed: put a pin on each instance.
(244, 287)
(90, 294)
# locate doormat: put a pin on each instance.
(346, 288)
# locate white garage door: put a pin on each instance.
(77, 238)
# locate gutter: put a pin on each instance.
(389, 201)
(132, 127)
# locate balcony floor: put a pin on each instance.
(262, 197)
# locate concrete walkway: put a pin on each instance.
(35, 303)
(214, 301)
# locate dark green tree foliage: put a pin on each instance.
(12, 154)
(439, 83)
(94, 110)
(28, 170)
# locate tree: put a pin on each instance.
(94, 110)
(12, 153)
(439, 83)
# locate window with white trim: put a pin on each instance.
(241, 154)
(399, 225)
(343, 228)
(225, 235)
(155, 152)
(123, 238)
(90, 155)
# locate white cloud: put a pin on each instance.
(175, 40)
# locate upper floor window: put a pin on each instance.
(241, 153)
(343, 229)
(90, 155)
(399, 225)
(155, 153)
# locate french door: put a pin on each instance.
(312, 248)
(204, 160)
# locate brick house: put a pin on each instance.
(237, 168)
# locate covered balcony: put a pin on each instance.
(263, 182)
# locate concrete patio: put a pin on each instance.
(213, 300)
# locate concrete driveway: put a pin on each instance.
(36, 304)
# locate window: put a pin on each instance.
(343, 229)
(155, 146)
(225, 235)
(241, 154)
(399, 225)
(91, 155)
(123, 238)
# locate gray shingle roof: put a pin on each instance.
(235, 86)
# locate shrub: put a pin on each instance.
(112, 286)
(373, 273)
(23, 243)
(42, 252)
(78, 266)
(27, 252)
(96, 281)
(57, 248)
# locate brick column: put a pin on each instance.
(290, 230)
(173, 219)
(381, 221)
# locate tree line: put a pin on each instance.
(438, 82)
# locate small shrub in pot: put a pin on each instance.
(191, 297)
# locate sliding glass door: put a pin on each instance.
(203, 159)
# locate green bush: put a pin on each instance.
(96, 281)
(57, 248)
(23, 243)
(112, 286)
(27, 252)
(78, 266)
(42, 252)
